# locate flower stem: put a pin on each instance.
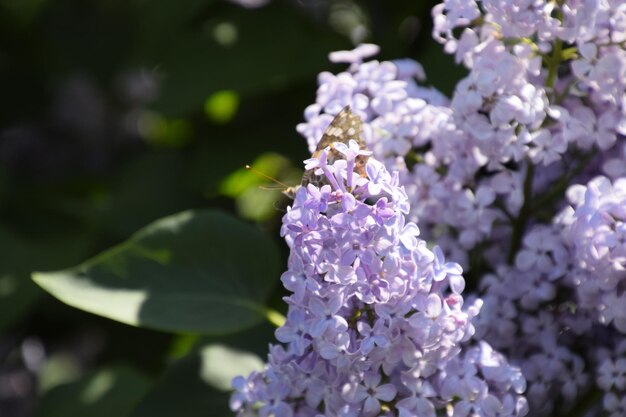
(553, 64)
(520, 223)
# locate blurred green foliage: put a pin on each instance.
(118, 113)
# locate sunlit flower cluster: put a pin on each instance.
(519, 177)
(377, 324)
(595, 229)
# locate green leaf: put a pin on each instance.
(18, 257)
(197, 271)
(198, 385)
(220, 364)
(108, 392)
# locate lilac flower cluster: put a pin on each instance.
(529, 314)
(595, 229)
(568, 275)
(402, 117)
(586, 93)
(520, 177)
(531, 98)
(376, 325)
(612, 378)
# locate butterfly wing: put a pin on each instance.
(346, 126)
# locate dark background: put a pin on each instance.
(116, 113)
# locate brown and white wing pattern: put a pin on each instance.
(346, 126)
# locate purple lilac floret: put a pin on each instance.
(377, 324)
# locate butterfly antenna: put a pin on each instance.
(271, 188)
(261, 174)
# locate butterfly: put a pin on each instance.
(346, 126)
